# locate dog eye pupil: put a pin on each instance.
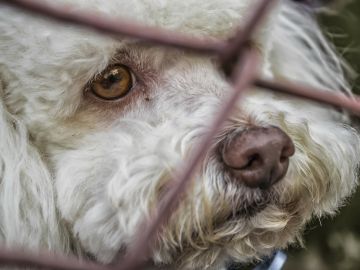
(111, 80)
(114, 83)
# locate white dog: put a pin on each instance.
(93, 128)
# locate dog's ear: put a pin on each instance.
(27, 203)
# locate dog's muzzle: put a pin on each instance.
(258, 156)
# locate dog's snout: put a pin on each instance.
(258, 157)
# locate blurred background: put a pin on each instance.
(334, 243)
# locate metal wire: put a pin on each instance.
(238, 62)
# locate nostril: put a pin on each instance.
(288, 150)
(258, 157)
(285, 155)
(283, 159)
(253, 161)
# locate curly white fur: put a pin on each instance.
(78, 175)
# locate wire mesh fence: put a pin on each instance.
(238, 62)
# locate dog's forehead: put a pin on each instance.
(203, 17)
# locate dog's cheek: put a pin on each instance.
(323, 171)
(81, 176)
(341, 151)
(108, 184)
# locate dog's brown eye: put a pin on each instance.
(114, 83)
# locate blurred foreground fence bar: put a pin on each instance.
(238, 61)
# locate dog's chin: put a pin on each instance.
(250, 207)
(248, 211)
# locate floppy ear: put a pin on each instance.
(27, 203)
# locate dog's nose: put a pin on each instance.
(259, 157)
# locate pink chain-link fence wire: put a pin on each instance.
(237, 61)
